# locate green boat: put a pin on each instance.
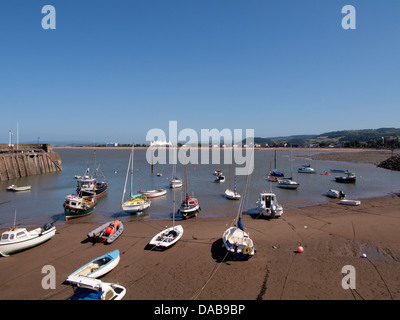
(75, 206)
(350, 178)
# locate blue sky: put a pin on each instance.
(113, 70)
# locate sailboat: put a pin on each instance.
(275, 172)
(288, 183)
(232, 194)
(236, 241)
(136, 203)
(175, 181)
(169, 236)
(189, 206)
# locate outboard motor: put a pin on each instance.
(47, 226)
(273, 210)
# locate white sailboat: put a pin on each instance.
(135, 203)
(289, 183)
(232, 194)
(175, 181)
(237, 242)
(169, 236)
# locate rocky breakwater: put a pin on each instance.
(393, 163)
(28, 160)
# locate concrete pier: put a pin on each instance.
(27, 160)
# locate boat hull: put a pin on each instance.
(167, 238)
(71, 213)
(154, 193)
(131, 207)
(238, 244)
(99, 266)
(10, 248)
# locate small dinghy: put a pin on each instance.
(107, 232)
(98, 267)
(95, 289)
(153, 193)
(350, 202)
(16, 189)
(336, 194)
(167, 238)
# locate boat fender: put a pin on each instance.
(247, 250)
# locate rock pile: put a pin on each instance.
(393, 163)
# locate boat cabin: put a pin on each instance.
(14, 234)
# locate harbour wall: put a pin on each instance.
(27, 160)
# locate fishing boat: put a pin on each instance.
(169, 236)
(336, 194)
(75, 206)
(288, 183)
(350, 202)
(94, 289)
(268, 206)
(236, 241)
(136, 203)
(153, 193)
(107, 232)
(349, 178)
(16, 189)
(17, 239)
(190, 205)
(306, 169)
(217, 172)
(88, 186)
(98, 267)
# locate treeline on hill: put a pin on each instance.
(365, 138)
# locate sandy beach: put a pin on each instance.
(196, 268)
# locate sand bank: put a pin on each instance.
(332, 235)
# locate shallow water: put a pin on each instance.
(44, 202)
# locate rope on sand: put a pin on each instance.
(211, 275)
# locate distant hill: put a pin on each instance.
(363, 135)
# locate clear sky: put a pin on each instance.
(113, 70)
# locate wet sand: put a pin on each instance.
(333, 235)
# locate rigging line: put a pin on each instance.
(384, 282)
(287, 275)
(212, 274)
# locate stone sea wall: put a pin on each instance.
(27, 162)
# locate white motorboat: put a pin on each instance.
(267, 204)
(350, 202)
(18, 239)
(153, 193)
(95, 289)
(220, 178)
(288, 183)
(306, 169)
(176, 183)
(98, 266)
(331, 193)
(16, 189)
(136, 203)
